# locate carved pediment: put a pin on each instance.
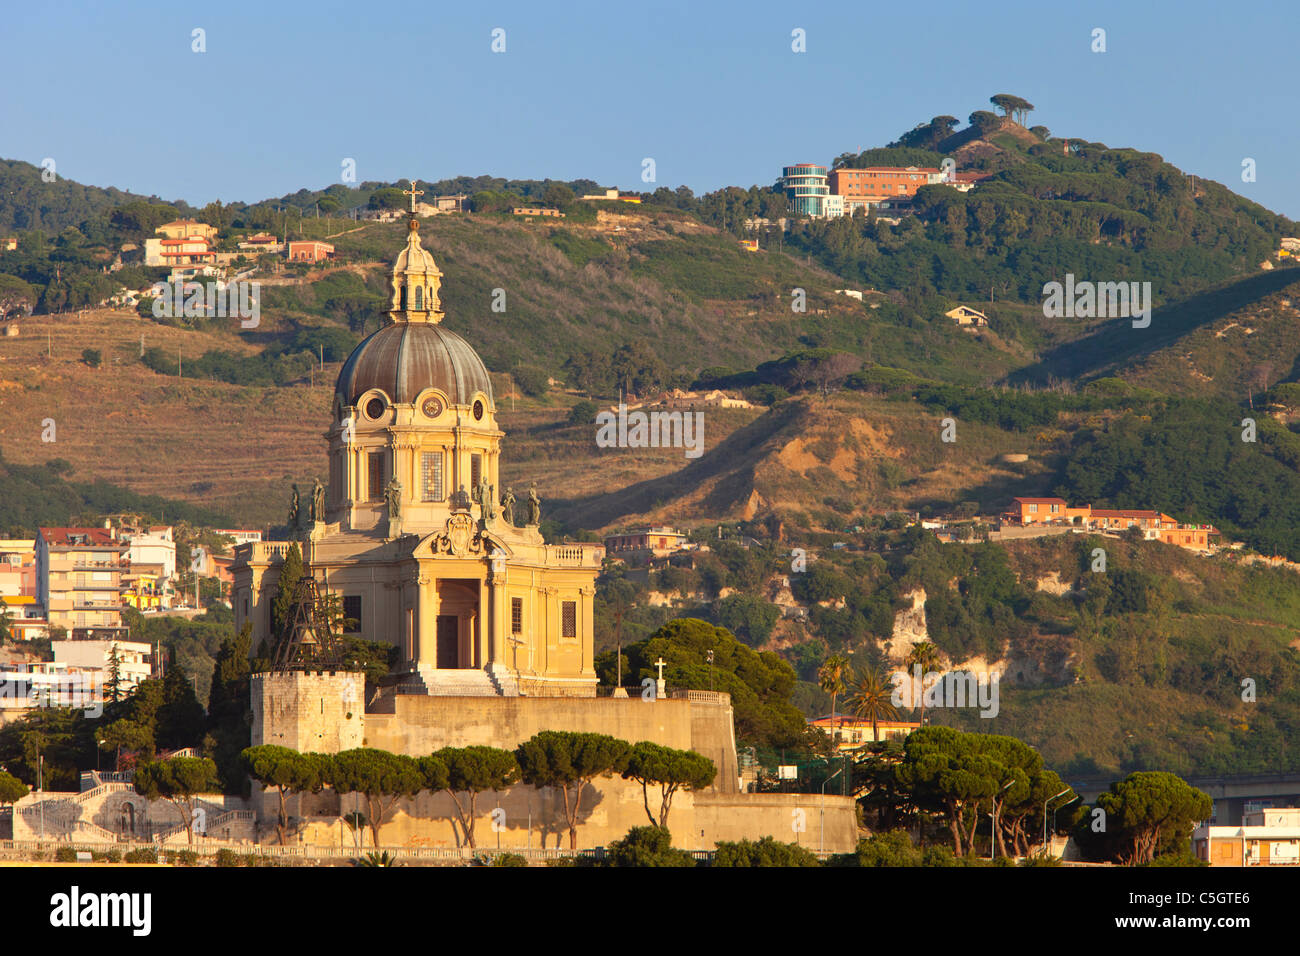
(460, 538)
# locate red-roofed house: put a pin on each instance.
(186, 229)
(310, 251)
(1033, 510)
(1121, 518)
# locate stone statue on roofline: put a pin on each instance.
(508, 507)
(317, 501)
(534, 507)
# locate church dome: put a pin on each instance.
(405, 358)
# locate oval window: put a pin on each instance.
(375, 407)
(478, 411)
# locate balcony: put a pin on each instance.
(575, 555)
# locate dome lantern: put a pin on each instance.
(415, 277)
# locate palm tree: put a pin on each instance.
(831, 675)
(872, 698)
(927, 655)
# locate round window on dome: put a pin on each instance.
(478, 411)
(375, 407)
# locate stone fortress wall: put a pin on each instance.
(314, 712)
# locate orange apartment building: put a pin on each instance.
(870, 186)
(79, 578)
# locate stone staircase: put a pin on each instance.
(461, 682)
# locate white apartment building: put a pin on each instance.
(135, 659)
(154, 548)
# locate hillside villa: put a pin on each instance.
(851, 733)
(1155, 525)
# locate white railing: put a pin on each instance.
(703, 696)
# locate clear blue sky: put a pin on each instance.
(287, 90)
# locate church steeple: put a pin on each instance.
(415, 276)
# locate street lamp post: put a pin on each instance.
(1045, 803)
(1060, 808)
(821, 844)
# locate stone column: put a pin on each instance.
(587, 631)
(426, 623)
(496, 580)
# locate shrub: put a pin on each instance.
(227, 857)
(647, 846)
(65, 854)
(583, 413)
(891, 849)
(766, 852)
(182, 857)
(508, 859)
(1041, 859)
(91, 357)
(145, 855)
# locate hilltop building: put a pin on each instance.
(1155, 525)
(965, 316)
(310, 251)
(186, 229)
(613, 195)
(653, 542)
(872, 185)
(805, 184)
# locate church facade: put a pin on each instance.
(414, 531)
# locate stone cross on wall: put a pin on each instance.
(413, 192)
(660, 664)
(660, 692)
